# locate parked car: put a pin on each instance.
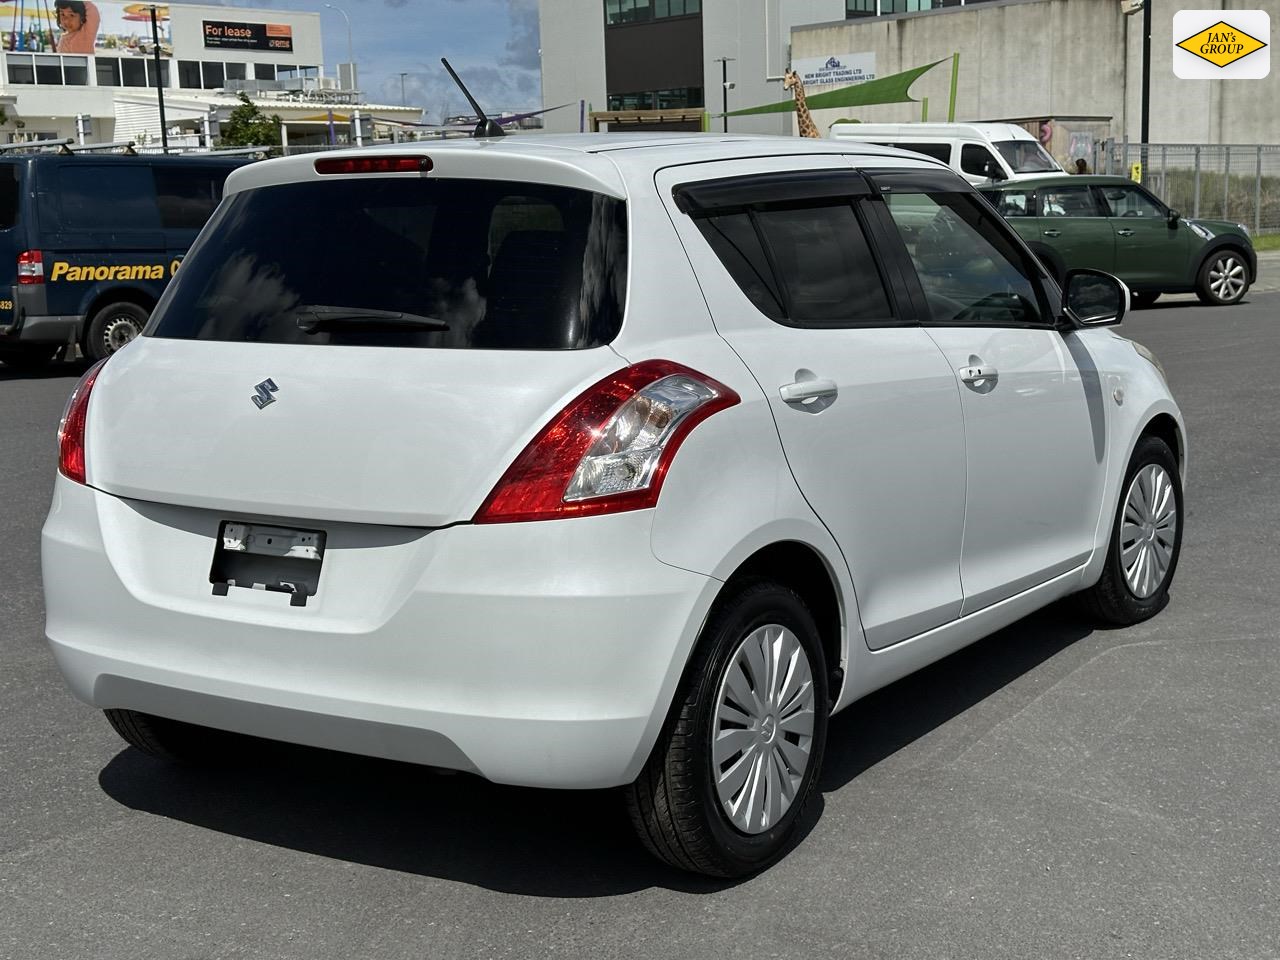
(88, 243)
(980, 152)
(585, 462)
(1116, 225)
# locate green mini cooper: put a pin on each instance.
(1113, 224)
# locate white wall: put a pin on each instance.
(572, 38)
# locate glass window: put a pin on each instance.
(1016, 202)
(636, 11)
(8, 195)
(1067, 201)
(307, 71)
(237, 71)
(105, 197)
(107, 70)
(49, 70)
(189, 74)
(267, 267)
(1026, 156)
(212, 76)
(21, 69)
(977, 161)
(1125, 201)
(187, 196)
(264, 71)
(859, 8)
(972, 272)
(939, 151)
(133, 72)
(804, 267)
(75, 71)
(286, 71)
(164, 73)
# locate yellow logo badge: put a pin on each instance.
(1221, 44)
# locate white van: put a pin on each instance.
(979, 152)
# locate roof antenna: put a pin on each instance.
(486, 127)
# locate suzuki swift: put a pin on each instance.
(597, 461)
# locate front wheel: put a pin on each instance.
(1146, 539)
(113, 327)
(1223, 278)
(726, 784)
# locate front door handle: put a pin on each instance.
(1126, 232)
(1053, 233)
(979, 374)
(808, 391)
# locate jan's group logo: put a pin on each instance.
(1221, 44)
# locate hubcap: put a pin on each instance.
(763, 730)
(1148, 530)
(1226, 278)
(119, 331)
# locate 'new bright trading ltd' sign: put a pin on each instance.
(843, 69)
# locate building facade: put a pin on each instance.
(88, 71)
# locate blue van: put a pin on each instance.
(88, 243)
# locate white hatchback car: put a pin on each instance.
(597, 461)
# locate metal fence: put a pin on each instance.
(1239, 182)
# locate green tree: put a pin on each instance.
(248, 126)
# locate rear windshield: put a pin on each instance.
(405, 262)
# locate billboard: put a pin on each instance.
(106, 27)
(248, 36)
(845, 68)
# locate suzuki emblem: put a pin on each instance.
(262, 393)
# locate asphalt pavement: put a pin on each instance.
(1054, 791)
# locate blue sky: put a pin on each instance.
(493, 44)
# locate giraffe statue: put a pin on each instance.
(791, 81)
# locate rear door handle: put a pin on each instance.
(1053, 233)
(807, 391)
(977, 375)
(1126, 232)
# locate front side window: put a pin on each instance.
(1067, 201)
(972, 272)
(977, 161)
(1125, 201)
(400, 262)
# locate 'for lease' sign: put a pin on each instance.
(249, 36)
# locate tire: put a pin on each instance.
(1126, 595)
(112, 327)
(675, 804)
(28, 358)
(1223, 278)
(1141, 299)
(170, 740)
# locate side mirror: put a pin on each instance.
(1094, 299)
(1174, 216)
(993, 172)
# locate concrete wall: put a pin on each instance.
(1054, 58)
(572, 37)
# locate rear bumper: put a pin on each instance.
(29, 320)
(542, 654)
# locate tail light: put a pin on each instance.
(71, 460)
(609, 449)
(31, 266)
(373, 165)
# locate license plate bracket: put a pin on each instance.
(261, 556)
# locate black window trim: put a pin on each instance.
(890, 241)
(1104, 205)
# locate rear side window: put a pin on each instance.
(939, 151)
(101, 197)
(187, 196)
(1013, 203)
(8, 195)
(405, 262)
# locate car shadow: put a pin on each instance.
(53, 371)
(531, 842)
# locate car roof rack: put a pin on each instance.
(34, 145)
(124, 146)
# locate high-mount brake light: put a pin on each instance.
(71, 461)
(31, 266)
(609, 449)
(373, 165)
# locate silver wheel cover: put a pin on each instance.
(762, 732)
(1227, 278)
(1148, 530)
(118, 331)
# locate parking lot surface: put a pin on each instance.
(1053, 791)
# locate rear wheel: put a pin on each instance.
(729, 778)
(112, 327)
(1146, 539)
(1223, 278)
(1142, 299)
(170, 739)
(28, 357)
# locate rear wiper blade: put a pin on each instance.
(312, 319)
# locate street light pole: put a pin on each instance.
(1146, 83)
(724, 87)
(403, 74)
(351, 57)
(155, 39)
